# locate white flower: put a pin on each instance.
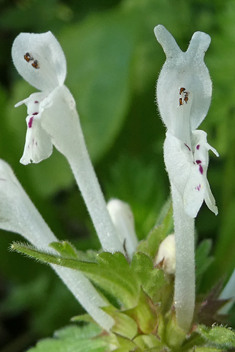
(184, 94)
(53, 120)
(40, 60)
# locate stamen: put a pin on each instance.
(35, 64)
(183, 96)
(28, 57)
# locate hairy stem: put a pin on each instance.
(90, 189)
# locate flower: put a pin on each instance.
(53, 120)
(40, 60)
(184, 91)
(18, 214)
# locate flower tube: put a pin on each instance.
(18, 214)
(183, 95)
(53, 120)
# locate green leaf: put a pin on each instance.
(217, 336)
(174, 335)
(163, 227)
(64, 248)
(150, 279)
(111, 272)
(73, 338)
(208, 349)
(83, 318)
(144, 314)
(202, 259)
(146, 342)
(124, 325)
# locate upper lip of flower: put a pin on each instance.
(40, 60)
(184, 86)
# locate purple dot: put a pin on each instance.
(30, 123)
(201, 169)
(198, 187)
(198, 161)
(186, 145)
(36, 102)
(198, 146)
(35, 113)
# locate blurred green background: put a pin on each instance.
(113, 62)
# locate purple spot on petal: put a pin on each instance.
(35, 113)
(30, 123)
(198, 146)
(201, 169)
(198, 187)
(36, 102)
(198, 161)
(187, 147)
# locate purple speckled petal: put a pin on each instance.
(38, 144)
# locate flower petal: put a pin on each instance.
(33, 102)
(196, 191)
(17, 212)
(38, 145)
(197, 188)
(40, 60)
(60, 120)
(184, 77)
(178, 160)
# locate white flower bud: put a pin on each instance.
(165, 257)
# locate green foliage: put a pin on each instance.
(163, 228)
(203, 260)
(145, 318)
(73, 338)
(218, 336)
